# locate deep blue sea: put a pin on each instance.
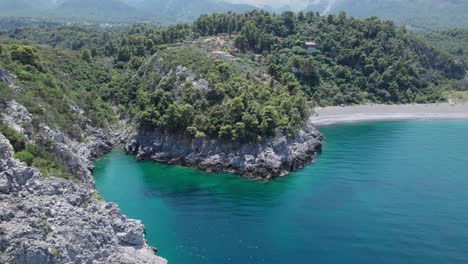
(390, 192)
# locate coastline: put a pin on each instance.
(377, 112)
(270, 158)
(66, 221)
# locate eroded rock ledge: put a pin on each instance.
(273, 157)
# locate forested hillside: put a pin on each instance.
(452, 41)
(231, 76)
(355, 61)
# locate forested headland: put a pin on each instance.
(249, 75)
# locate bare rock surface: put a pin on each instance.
(270, 158)
(53, 220)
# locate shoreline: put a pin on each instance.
(377, 112)
(273, 157)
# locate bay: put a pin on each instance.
(388, 192)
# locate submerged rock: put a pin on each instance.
(270, 158)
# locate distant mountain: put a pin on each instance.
(101, 9)
(421, 14)
(424, 14)
(165, 11)
(23, 7)
(284, 8)
(188, 9)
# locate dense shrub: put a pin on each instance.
(25, 156)
(17, 140)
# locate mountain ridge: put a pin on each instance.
(418, 14)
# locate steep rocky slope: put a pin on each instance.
(52, 220)
(45, 219)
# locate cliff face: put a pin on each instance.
(46, 219)
(270, 158)
(52, 220)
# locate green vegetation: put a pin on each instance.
(234, 106)
(54, 252)
(55, 80)
(356, 61)
(458, 96)
(421, 14)
(452, 41)
(17, 140)
(25, 156)
(248, 75)
(97, 197)
(39, 156)
(46, 226)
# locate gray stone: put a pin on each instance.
(270, 158)
(4, 184)
(53, 220)
(134, 235)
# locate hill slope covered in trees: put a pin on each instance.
(248, 75)
(356, 60)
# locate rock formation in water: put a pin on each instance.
(270, 158)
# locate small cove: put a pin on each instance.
(389, 192)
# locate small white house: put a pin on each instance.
(311, 45)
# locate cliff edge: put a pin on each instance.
(270, 158)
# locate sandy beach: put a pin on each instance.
(376, 112)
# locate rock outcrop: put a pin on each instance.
(6, 78)
(53, 220)
(269, 158)
(76, 155)
(273, 157)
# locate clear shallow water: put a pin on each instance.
(380, 193)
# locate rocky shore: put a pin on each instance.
(46, 219)
(270, 158)
(53, 220)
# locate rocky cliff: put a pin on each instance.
(270, 158)
(52, 220)
(45, 219)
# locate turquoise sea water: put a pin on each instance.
(379, 193)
